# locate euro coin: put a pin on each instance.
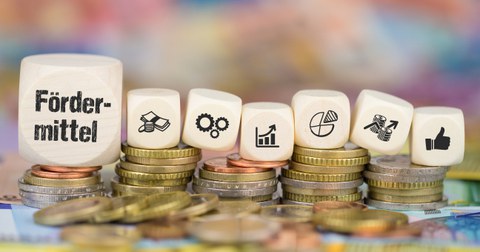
(287, 213)
(348, 151)
(180, 151)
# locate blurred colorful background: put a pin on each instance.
(427, 52)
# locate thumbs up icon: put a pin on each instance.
(441, 142)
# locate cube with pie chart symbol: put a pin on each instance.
(381, 122)
(438, 136)
(212, 119)
(267, 131)
(322, 118)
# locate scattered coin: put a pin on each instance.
(325, 206)
(287, 213)
(87, 237)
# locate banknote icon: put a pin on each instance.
(152, 121)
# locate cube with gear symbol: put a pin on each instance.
(212, 119)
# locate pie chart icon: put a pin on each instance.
(322, 124)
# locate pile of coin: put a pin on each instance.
(395, 183)
(148, 171)
(44, 185)
(235, 178)
(324, 175)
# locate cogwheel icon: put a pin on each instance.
(222, 126)
(205, 116)
(214, 133)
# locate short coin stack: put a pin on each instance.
(233, 177)
(394, 183)
(324, 175)
(44, 185)
(148, 171)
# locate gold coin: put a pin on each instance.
(330, 161)
(155, 168)
(318, 177)
(71, 211)
(155, 183)
(287, 213)
(121, 206)
(158, 161)
(325, 169)
(238, 207)
(100, 237)
(257, 198)
(325, 206)
(201, 203)
(401, 178)
(348, 151)
(132, 189)
(403, 186)
(180, 151)
(152, 176)
(160, 205)
(359, 221)
(405, 199)
(33, 180)
(163, 229)
(314, 198)
(319, 192)
(237, 177)
(399, 192)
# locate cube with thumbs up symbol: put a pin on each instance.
(438, 136)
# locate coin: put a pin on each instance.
(30, 179)
(402, 232)
(401, 165)
(405, 199)
(121, 206)
(97, 237)
(238, 207)
(37, 203)
(258, 198)
(348, 151)
(237, 177)
(70, 169)
(201, 204)
(275, 200)
(319, 177)
(325, 206)
(132, 189)
(401, 178)
(160, 162)
(160, 205)
(180, 151)
(220, 164)
(155, 183)
(406, 207)
(314, 198)
(152, 176)
(359, 221)
(234, 185)
(156, 168)
(71, 211)
(330, 161)
(399, 192)
(37, 171)
(236, 160)
(402, 185)
(222, 228)
(59, 190)
(325, 169)
(318, 192)
(287, 213)
(320, 185)
(57, 197)
(235, 193)
(162, 229)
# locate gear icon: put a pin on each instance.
(214, 133)
(221, 126)
(205, 116)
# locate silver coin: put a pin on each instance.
(402, 178)
(235, 193)
(321, 185)
(234, 185)
(56, 197)
(402, 165)
(403, 206)
(37, 204)
(58, 190)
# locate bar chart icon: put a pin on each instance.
(266, 140)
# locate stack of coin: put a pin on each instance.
(148, 171)
(235, 178)
(45, 185)
(324, 175)
(395, 183)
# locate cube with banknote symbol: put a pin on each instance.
(153, 118)
(438, 136)
(322, 118)
(380, 122)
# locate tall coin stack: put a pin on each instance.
(233, 177)
(148, 171)
(394, 183)
(324, 175)
(43, 185)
